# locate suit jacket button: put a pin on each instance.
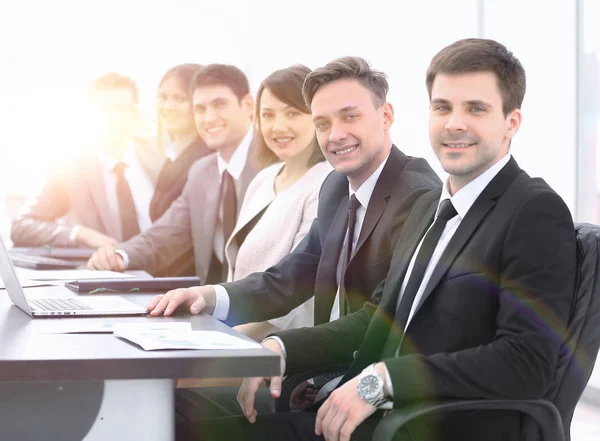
(354, 354)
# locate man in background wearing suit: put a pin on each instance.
(372, 178)
(203, 217)
(479, 288)
(103, 195)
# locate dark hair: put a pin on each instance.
(184, 73)
(481, 55)
(353, 68)
(286, 85)
(222, 74)
(111, 81)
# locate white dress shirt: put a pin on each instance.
(139, 182)
(234, 167)
(363, 194)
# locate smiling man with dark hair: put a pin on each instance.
(476, 262)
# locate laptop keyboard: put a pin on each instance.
(58, 304)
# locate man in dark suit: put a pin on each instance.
(352, 119)
(102, 194)
(202, 218)
(478, 292)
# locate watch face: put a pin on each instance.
(368, 387)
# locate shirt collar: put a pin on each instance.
(364, 192)
(236, 164)
(109, 162)
(466, 196)
(174, 150)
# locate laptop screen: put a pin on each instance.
(11, 280)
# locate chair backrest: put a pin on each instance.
(580, 349)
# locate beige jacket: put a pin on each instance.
(286, 219)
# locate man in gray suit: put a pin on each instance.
(203, 217)
(102, 195)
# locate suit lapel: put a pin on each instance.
(325, 281)
(464, 232)
(211, 204)
(97, 185)
(248, 173)
(257, 203)
(476, 214)
(410, 249)
(381, 195)
(150, 157)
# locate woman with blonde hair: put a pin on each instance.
(178, 136)
(176, 129)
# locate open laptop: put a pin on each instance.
(60, 306)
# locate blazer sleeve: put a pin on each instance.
(327, 344)
(302, 315)
(37, 224)
(280, 288)
(168, 239)
(308, 216)
(537, 278)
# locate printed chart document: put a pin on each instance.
(79, 326)
(67, 275)
(155, 340)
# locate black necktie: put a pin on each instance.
(445, 213)
(229, 206)
(352, 207)
(129, 221)
(346, 254)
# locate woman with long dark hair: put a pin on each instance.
(281, 202)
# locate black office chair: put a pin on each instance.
(553, 414)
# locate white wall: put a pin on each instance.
(542, 34)
(56, 47)
(51, 49)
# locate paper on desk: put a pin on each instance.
(68, 275)
(78, 326)
(26, 283)
(151, 341)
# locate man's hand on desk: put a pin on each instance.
(93, 239)
(247, 392)
(106, 258)
(197, 298)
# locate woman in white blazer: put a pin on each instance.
(281, 202)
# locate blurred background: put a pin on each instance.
(50, 50)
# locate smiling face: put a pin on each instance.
(221, 119)
(287, 131)
(467, 127)
(175, 107)
(352, 131)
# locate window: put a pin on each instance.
(588, 176)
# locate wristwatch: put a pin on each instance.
(370, 387)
